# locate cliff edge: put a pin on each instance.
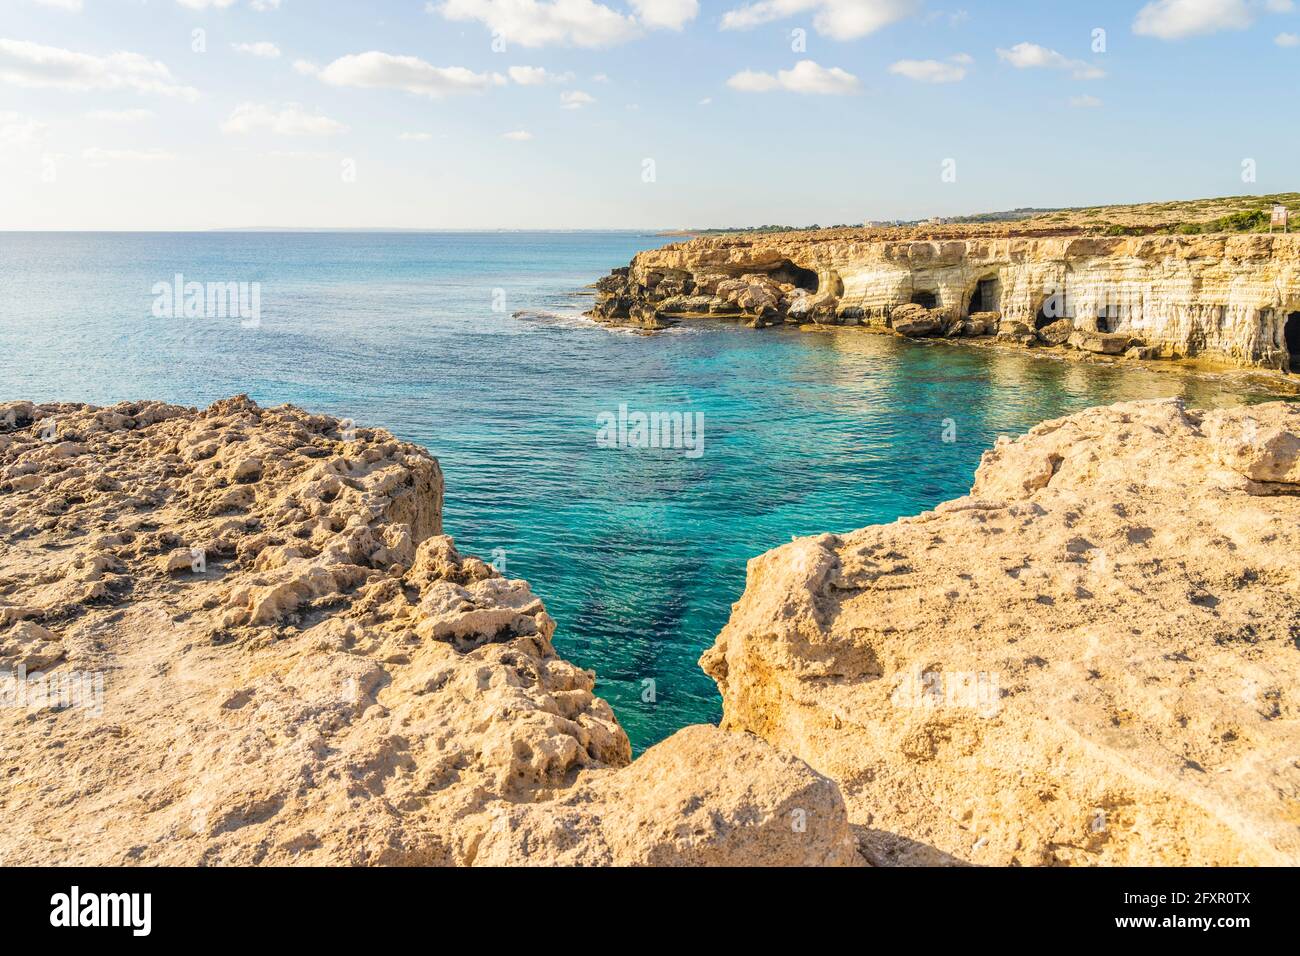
(1091, 659)
(1232, 299)
(238, 636)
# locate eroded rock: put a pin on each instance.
(1091, 659)
(916, 321)
(1229, 298)
(1102, 343)
(296, 666)
(1058, 332)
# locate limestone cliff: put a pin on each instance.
(239, 636)
(1234, 298)
(1091, 659)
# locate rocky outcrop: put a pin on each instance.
(239, 636)
(916, 321)
(1100, 343)
(1091, 659)
(1231, 298)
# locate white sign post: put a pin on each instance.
(1281, 216)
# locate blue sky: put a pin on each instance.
(402, 113)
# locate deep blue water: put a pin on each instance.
(638, 554)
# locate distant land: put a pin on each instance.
(1179, 217)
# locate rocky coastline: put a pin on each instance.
(1231, 299)
(289, 663)
(1088, 660)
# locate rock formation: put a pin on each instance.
(1091, 659)
(1230, 298)
(239, 636)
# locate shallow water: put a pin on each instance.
(638, 553)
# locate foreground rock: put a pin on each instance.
(238, 636)
(1092, 659)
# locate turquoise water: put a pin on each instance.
(638, 554)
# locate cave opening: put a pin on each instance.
(987, 296)
(796, 276)
(926, 299)
(1291, 334)
(1103, 324)
(1042, 320)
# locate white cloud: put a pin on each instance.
(263, 48)
(120, 116)
(72, 6)
(707, 101)
(1085, 102)
(1176, 19)
(806, 77)
(312, 154)
(290, 120)
(837, 19)
(536, 76)
(1287, 39)
(1026, 56)
(576, 99)
(27, 64)
(19, 130)
(752, 81)
(416, 137)
(934, 71)
(519, 135)
(205, 4)
(386, 71)
(263, 6)
(306, 67)
(534, 23)
(666, 14)
(94, 156)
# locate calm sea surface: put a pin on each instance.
(638, 554)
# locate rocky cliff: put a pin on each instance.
(1091, 659)
(239, 636)
(1232, 298)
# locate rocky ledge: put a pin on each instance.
(1091, 659)
(238, 636)
(1229, 299)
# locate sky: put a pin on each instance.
(638, 114)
